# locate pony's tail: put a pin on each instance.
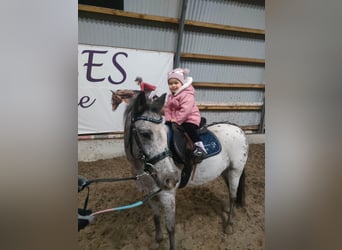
(240, 196)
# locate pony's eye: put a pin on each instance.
(146, 135)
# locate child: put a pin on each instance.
(180, 108)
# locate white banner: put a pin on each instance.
(101, 69)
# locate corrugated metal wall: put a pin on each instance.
(245, 118)
(165, 8)
(205, 41)
(243, 13)
(127, 32)
(116, 31)
(224, 72)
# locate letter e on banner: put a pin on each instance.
(90, 64)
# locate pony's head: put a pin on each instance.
(122, 95)
(116, 100)
(146, 140)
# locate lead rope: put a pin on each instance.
(86, 216)
(135, 204)
(83, 183)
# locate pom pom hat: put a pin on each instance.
(179, 74)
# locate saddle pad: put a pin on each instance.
(211, 143)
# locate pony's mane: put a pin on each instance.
(129, 108)
(149, 106)
(154, 106)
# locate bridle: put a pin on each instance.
(148, 161)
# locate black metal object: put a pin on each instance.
(180, 34)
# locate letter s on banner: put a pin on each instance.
(118, 66)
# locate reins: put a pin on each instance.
(82, 182)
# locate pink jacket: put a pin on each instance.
(181, 107)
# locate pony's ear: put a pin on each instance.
(158, 104)
(139, 104)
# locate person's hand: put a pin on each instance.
(84, 218)
(82, 223)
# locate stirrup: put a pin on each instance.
(198, 154)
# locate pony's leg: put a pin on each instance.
(154, 205)
(234, 179)
(169, 203)
(229, 226)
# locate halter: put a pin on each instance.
(148, 161)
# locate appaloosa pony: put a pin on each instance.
(147, 149)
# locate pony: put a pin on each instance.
(147, 149)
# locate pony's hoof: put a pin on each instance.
(159, 238)
(155, 245)
(229, 229)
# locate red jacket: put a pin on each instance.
(144, 86)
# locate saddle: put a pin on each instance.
(182, 147)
